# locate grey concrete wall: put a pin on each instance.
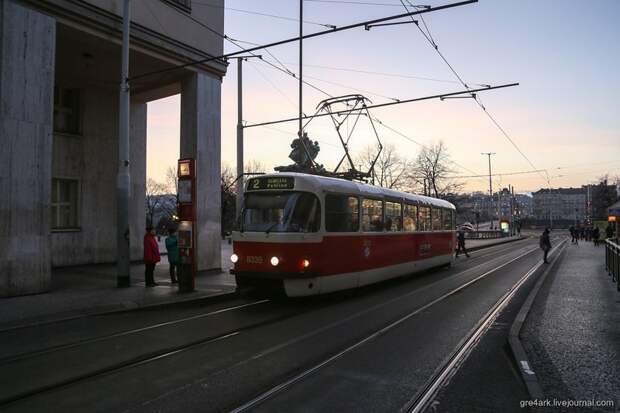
(27, 44)
(164, 18)
(92, 158)
(201, 139)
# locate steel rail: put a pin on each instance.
(420, 402)
(78, 343)
(297, 378)
(139, 360)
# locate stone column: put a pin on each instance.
(201, 139)
(27, 49)
(137, 165)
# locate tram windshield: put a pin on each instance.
(281, 212)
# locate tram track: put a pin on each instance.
(287, 384)
(420, 402)
(167, 352)
(139, 360)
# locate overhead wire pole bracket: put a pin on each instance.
(380, 105)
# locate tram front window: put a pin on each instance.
(281, 212)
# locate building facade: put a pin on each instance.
(59, 100)
(567, 204)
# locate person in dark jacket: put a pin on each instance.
(461, 244)
(172, 246)
(151, 256)
(596, 235)
(573, 234)
(609, 231)
(545, 244)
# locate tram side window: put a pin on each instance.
(410, 217)
(424, 218)
(393, 220)
(341, 213)
(372, 215)
(436, 214)
(446, 219)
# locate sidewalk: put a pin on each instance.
(572, 333)
(91, 289)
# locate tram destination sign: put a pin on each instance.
(270, 183)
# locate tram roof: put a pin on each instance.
(318, 182)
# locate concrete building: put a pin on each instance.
(562, 204)
(59, 81)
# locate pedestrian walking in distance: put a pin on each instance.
(151, 256)
(461, 244)
(545, 244)
(172, 246)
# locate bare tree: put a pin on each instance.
(153, 198)
(254, 166)
(390, 171)
(432, 171)
(172, 180)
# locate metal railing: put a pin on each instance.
(485, 234)
(612, 260)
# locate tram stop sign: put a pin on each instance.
(186, 231)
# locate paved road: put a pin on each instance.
(372, 350)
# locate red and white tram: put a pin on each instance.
(311, 234)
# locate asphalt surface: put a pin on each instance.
(373, 349)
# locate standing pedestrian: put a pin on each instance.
(151, 256)
(596, 234)
(574, 235)
(172, 246)
(609, 231)
(545, 244)
(461, 244)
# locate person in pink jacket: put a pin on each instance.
(151, 256)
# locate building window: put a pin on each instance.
(372, 215)
(341, 213)
(64, 210)
(67, 110)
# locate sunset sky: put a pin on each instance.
(564, 115)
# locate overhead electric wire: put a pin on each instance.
(359, 3)
(474, 96)
(257, 13)
(297, 38)
(287, 71)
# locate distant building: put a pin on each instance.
(568, 204)
(525, 205)
(59, 101)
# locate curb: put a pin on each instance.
(525, 368)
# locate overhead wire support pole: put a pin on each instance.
(380, 105)
(240, 161)
(490, 185)
(307, 36)
(123, 177)
(301, 66)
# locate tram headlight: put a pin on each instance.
(275, 261)
(305, 263)
(234, 258)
